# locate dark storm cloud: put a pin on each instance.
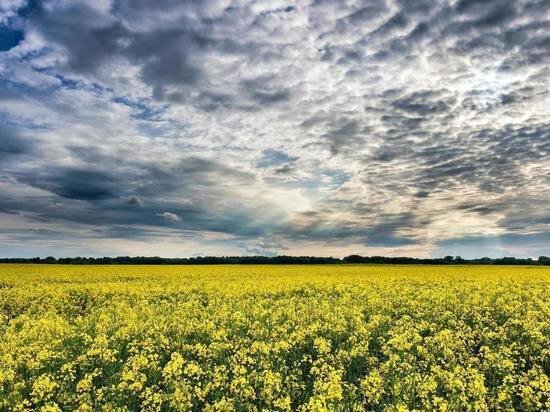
(167, 56)
(383, 124)
(162, 54)
(159, 199)
(73, 183)
(170, 57)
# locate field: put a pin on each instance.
(221, 338)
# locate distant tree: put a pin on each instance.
(507, 260)
(281, 259)
(354, 259)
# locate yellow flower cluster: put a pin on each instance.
(288, 338)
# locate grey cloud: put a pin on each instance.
(519, 245)
(369, 122)
(12, 143)
(73, 183)
(133, 201)
(263, 93)
(91, 40)
(383, 233)
(269, 97)
(157, 188)
(397, 21)
(423, 103)
(344, 135)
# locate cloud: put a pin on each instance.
(518, 245)
(12, 143)
(271, 157)
(72, 183)
(384, 126)
(134, 201)
(169, 216)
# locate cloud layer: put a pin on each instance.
(235, 127)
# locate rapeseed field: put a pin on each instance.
(290, 338)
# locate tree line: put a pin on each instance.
(277, 260)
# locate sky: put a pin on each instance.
(329, 128)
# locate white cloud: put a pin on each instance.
(169, 216)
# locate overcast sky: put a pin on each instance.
(181, 128)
